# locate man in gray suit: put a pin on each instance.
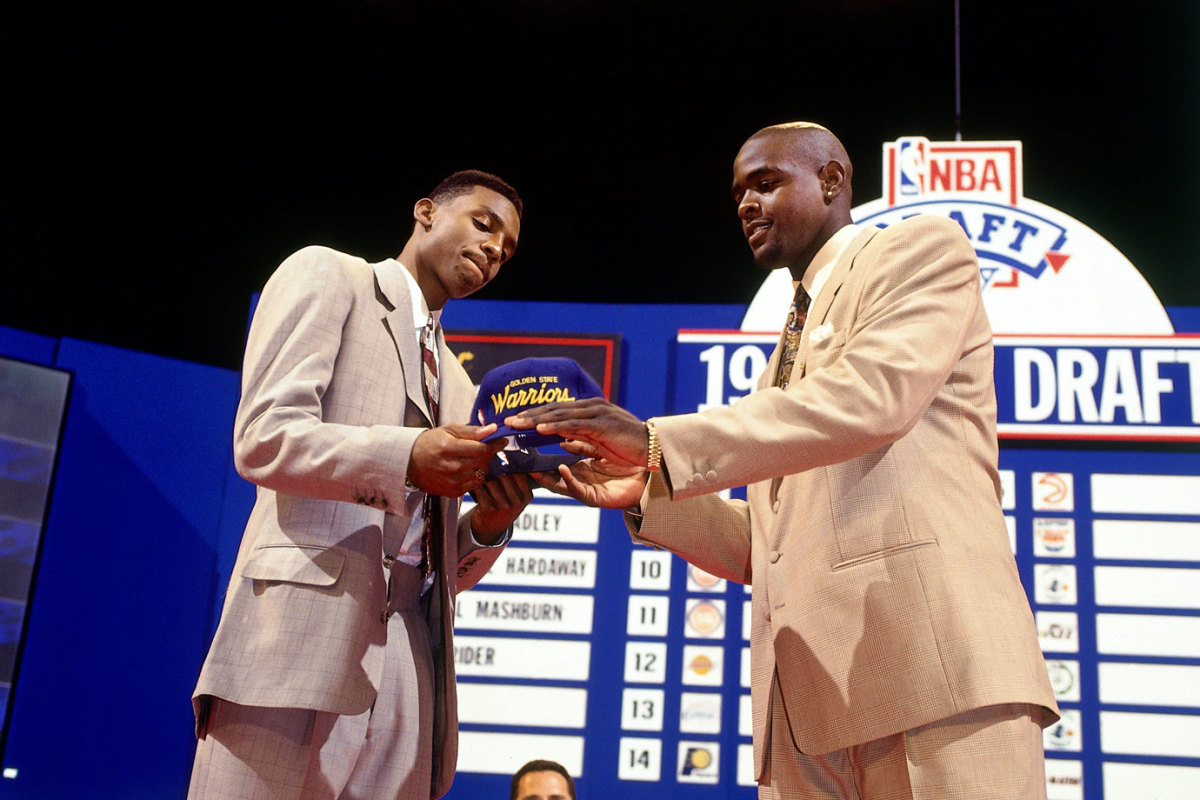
(892, 649)
(331, 672)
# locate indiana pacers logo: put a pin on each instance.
(698, 762)
(697, 758)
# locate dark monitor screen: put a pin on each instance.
(33, 401)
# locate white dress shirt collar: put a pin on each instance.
(420, 309)
(821, 267)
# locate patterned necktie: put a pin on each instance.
(791, 338)
(432, 395)
(429, 368)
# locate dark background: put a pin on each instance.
(162, 159)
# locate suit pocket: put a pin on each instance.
(313, 566)
(826, 349)
(878, 554)
(867, 506)
(821, 355)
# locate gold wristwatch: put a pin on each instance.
(654, 449)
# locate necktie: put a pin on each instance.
(429, 368)
(791, 337)
(432, 395)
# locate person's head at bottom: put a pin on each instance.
(542, 780)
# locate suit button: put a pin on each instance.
(775, 506)
(388, 561)
(383, 617)
(773, 556)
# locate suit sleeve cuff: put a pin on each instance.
(504, 539)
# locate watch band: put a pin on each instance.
(654, 449)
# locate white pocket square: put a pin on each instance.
(820, 333)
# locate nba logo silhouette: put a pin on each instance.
(912, 165)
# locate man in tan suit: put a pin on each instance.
(893, 652)
(331, 673)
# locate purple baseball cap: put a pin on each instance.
(529, 383)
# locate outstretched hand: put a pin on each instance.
(596, 483)
(451, 460)
(598, 428)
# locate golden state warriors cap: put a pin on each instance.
(521, 385)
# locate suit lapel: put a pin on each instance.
(820, 307)
(816, 316)
(391, 290)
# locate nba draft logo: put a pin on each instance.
(1042, 271)
(986, 179)
(1084, 347)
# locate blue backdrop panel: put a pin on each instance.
(26, 346)
(147, 514)
(119, 615)
(143, 529)
(647, 388)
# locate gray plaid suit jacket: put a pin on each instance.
(885, 591)
(331, 405)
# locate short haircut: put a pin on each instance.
(463, 181)
(540, 765)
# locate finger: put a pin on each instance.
(466, 450)
(528, 418)
(579, 447)
(586, 428)
(485, 496)
(575, 487)
(549, 480)
(518, 489)
(470, 432)
(613, 469)
(496, 445)
(575, 409)
(501, 492)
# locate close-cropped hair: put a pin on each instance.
(540, 765)
(463, 181)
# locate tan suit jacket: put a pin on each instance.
(332, 402)
(885, 591)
